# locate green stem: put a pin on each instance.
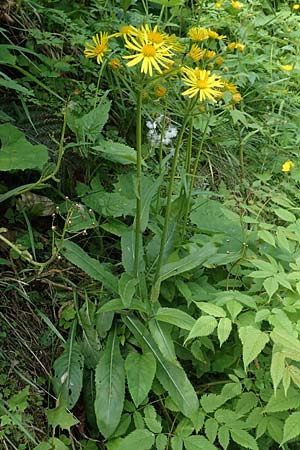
(192, 181)
(169, 198)
(139, 184)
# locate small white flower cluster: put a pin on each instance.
(155, 131)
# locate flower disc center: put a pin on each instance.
(149, 50)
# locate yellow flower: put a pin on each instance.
(201, 83)
(160, 37)
(209, 54)
(97, 51)
(237, 5)
(296, 6)
(218, 5)
(286, 167)
(230, 87)
(195, 53)
(214, 35)
(126, 30)
(236, 45)
(198, 34)
(287, 67)
(160, 91)
(237, 97)
(114, 63)
(219, 60)
(151, 55)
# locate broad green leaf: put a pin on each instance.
(140, 371)
(185, 428)
(116, 305)
(68, 372)
(175, 317)
(43, 446)
(116, 152)
(223, 437)
(176, 443)
(171, 375)
(224, 329)
(161, 442)
(246, 402)
(7, 83)
(123, 426)
(231, 390)
(204, 326)
(138, 420)
(295, 374)
(267, 237)
(151, 419)
(90, 124)
(211, 309)
(229, 418)
(59, 416)
(197, 443)
(110, 386)
(16, 153)
(149, 189)
(281, 337)
(282, 402)
(127, 288)
(253, 341)
(53, 444)
(234, 308)
(91, 266)
(261, 427)
(211, 428)
(244, 439)
(275, 429)
(163, 339)
(211, 402)
(138, 439)
(277, 368)
(271, 285)
(291, 427)
(284, 214)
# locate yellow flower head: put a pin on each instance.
(296, 6)
(219, 60)
(155, 36)
(218, 5)
(286, 167)
(114, 64)
(230, 87)
(236, 46)
(287, 67)
(201, 83)
(198, 34)
(160, 91)
(196, 53)
(126, 30)
(209, 54)
(237, 97)
(99, 48)
(237, 5)
(150, 54)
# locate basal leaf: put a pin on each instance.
(59, 416)
(77, 256)
(253, 341)
(68, 372)
(291, 427)
(175, 317)
(140, 371)
(110, 387)
(16, 153)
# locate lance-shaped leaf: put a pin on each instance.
(110, 386)
(140, 372)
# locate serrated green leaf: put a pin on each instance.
(116, 152)
(223, 437)
(16, 153)
(281, 337)
(295, 374)
(271, 285)
(234, 308)
(204, 326)
(211, 427)
(162, 337)
(211, 402)
(275, 429)
(198, 442)
(246, 402)
(282, 402)
(224, 329)
(286, 379)
(211, 309)
(90, 124)
(184, 429)
(89, 265)
(140, 371)
(161, 442)
(253, 341)
(244, 439)
(59, 416)
(176, 443)
(291, 427)
(151, 419)
(68, 372)
(175, 317)
(277, 368)
(110, 387)
(138, 439)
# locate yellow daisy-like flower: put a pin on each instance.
(236, 46)
(296, 6)
(214, 35)
(231, 87)
(160, 37)
(286, 167)
(218, 5)
(126, 30)
(287, 67)
(237, 5)
(114, 63)
(201, 83)
(198, 34)
(149, 54)
(209, 54)
(99, 48)
(219, 60)
(196, 53)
